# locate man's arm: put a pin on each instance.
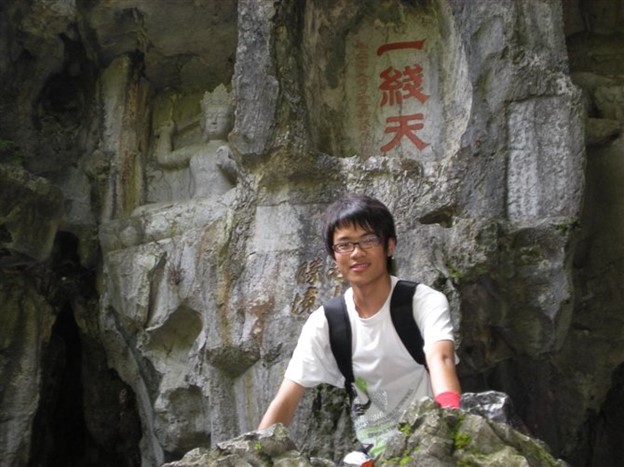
(282, 408)
(444, 381)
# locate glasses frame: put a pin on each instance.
(365, 243)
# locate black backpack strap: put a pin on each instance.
(340, 339)
(402, 315)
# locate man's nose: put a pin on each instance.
(356, 248)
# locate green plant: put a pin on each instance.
(461, 440)
(400, 461)
(405, 429)
(568, 225)
(456, 274)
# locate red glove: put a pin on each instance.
(448, 399)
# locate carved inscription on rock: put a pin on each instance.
(311, 278)
(406, 89)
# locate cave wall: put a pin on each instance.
(595, 42)
(504, 185)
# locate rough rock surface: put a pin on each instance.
(428, 436)
(139, 323)
(32, 209)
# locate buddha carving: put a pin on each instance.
(211, 170)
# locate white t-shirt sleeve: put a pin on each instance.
(431, 312)
(312, 361)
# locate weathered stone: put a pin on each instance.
(429, 436)
(432, 436)
(158, 221)
(201, 301)
(255, 82)
(493, 405)
(30, 214)
(123, 95)
(272, 446)
(25, 325)
(600, 131)
(189, 46)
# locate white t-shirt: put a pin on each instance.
(385, 373)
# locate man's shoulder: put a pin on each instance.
(427, 299)
(424, 290)
(317, 319)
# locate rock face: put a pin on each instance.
(32, 209)
(155, 276)
(429, 436)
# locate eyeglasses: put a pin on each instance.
(366, 243)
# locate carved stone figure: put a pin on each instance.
(211, 170)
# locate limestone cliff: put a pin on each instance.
(164, 166)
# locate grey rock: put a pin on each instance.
(199, 302)
(493, 405)
(429, 436)
(30, 214)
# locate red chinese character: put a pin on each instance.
(404, 128)
(395, 88)
(391, 86)
(413, 84)
(400, 45)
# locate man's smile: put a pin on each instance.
(358, 267)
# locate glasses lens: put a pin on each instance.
(369, 242)
(343, 247)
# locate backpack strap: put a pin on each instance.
(402, 314)
(402, 318)
(340, 339)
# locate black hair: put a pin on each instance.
(359, 211)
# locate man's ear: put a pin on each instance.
(391, 246)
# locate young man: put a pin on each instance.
(360, 236)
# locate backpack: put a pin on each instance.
(402, 319)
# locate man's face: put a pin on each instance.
(362, 266)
